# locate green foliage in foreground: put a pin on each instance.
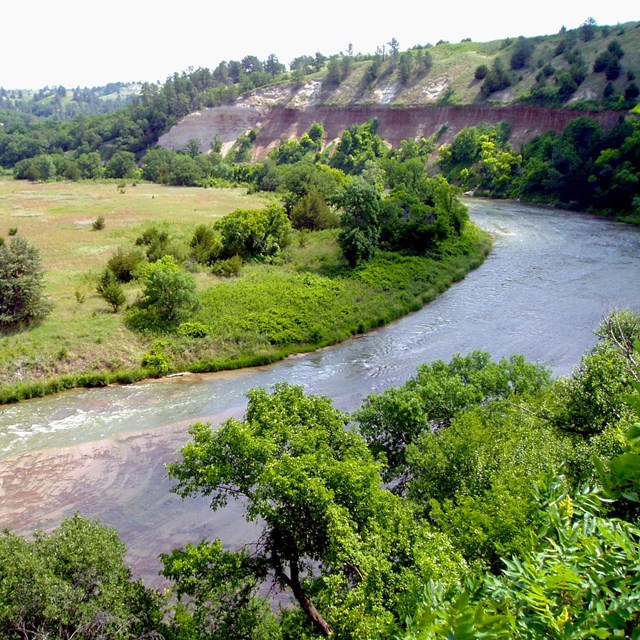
(347, 550)
(72, 583)
(426, 404)
(580, 578)
(514, 524)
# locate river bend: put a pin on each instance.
(550, 279)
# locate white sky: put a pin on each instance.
(79, 43)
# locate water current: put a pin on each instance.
(550, 279)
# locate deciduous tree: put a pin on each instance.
(168, 296)
(72, 583)
(346, 549)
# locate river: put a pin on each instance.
(550, 279)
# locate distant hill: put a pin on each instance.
(535, 84)
(60, 103)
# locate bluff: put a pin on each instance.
(435, 89)
(274, 124)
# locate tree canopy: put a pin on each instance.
(344, 547)
(72, 583)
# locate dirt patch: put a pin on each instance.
(432, 91)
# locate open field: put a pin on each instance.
(57, 218)
(305, 301)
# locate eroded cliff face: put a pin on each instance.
(278, 123)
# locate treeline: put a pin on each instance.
(137, 127)
(481, 498)
(59, 103)
(584, 167)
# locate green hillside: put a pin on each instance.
(556, 70)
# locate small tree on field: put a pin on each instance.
(588, 29)
(21, 284)
(110, 290)
(360, 233)
(169, 295)
(481, 72)
(124, 262)
(311, 212)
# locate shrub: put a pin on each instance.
(311, 212)
(158, 244)
(252, 233)
(110, 290)
(193, 330)
(205, 245)
(124, 262)
(156, 359)
(227, 268)
(632, 91)
(521, 54)
(98, 223)
(168, 297)
(481, 72)
(13, 231)
(496, 79)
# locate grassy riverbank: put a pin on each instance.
(306, 301)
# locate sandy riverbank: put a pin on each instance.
(123, 483)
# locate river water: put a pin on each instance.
(550, 279)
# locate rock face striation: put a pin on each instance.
(276, 119)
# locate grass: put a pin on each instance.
(306, 301)
(57, 218)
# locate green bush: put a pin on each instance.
(205, 245)
(21, 284)
(227, 268)
(193, 330)
(98, 224)
(481, 72)
(110, 290)
(156, 359)
(311, 212)
(124, 262)
(254, 233)
(168, 296)
(159, 243)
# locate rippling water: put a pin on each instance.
(550, 279)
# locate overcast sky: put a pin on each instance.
(79, 43)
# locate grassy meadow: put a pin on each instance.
(269, 311)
